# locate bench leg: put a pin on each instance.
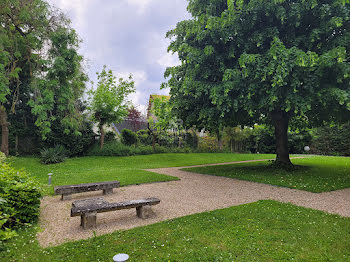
(108, 191)
(145, 212)
(66, 197)
(88, 220)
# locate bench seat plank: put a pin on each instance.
(98, 205)
(73, 189)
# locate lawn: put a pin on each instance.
(127, 170)
(260, 231)
(315, 174)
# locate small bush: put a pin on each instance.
(119, 149)
(19, 200)
(53, 155)
(111, 149)
(144, 137)
(208, 144)
(332, 140)
(76, 145)
(129, 137)
(110, 136)
(142, 150)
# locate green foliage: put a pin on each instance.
(237, 138)
(191, 139)
(129, 137)
(262, 140)
(75, 145)
(263, 62)
(109, 103)
(59, 92)
(110, 136)
(161, 109)
(19, 200)
(208, 144)
(115, 148)
(145, 137)
(2, 157)
(332, 140)
(164, 125)
(40, 68)
(121, 149)
(53, 155)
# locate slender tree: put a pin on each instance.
(253, 61)
(109, 102)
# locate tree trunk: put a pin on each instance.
(102, 136)
(153, 137)
(4, 131)
(16, 145)
(280, 121)
(219, 138)
(153, 142)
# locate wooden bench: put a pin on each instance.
(67, 191)
(88, 209)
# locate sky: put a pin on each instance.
(128, 36)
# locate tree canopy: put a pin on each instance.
(252, 61)
(109, 101)
(40, 68)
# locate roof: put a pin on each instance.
(152, 97)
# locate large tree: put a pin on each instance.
(109, 102)
(40, 68)
(253, 61)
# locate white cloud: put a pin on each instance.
(128, 36)
(140, 5)
(168, 60)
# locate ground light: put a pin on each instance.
(50, 174)
(120, 257)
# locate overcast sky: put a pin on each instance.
(128, 36)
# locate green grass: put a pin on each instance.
(261, 231)
(127, 170)
(316, 174)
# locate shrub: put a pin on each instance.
(20, 200)
(332, 140)
(113, 148)
(110, 136)
(76, 145)
(263, 140)
(191, 139)
(208, 144)
(129, 137)
(161, 149)
(142, 150)
(53, 155)
(144, 137)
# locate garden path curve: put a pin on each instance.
(193, 193)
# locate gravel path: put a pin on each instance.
(194, 193)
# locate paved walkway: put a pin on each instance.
(194, 193)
